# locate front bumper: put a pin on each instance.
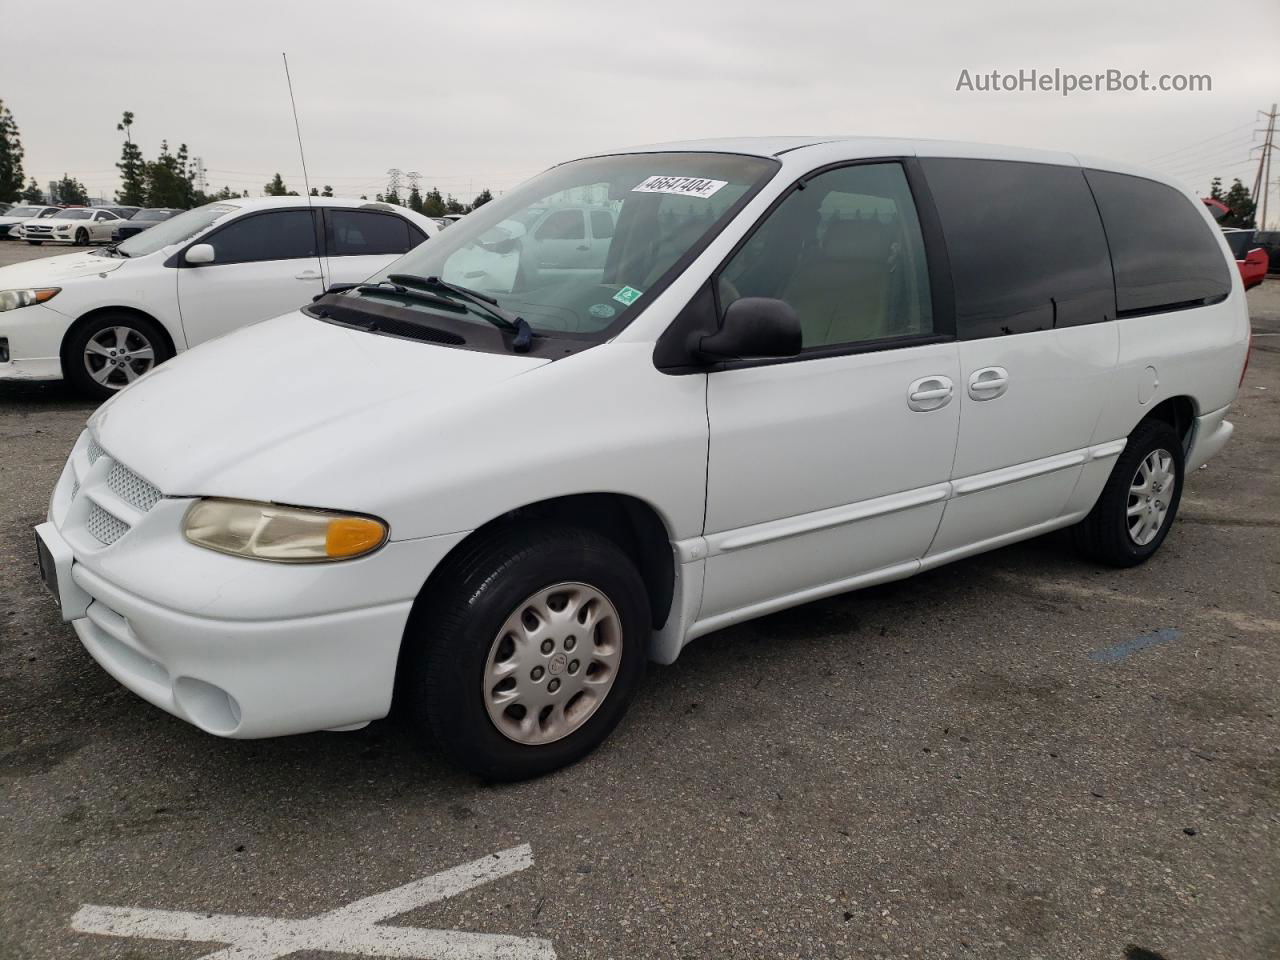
(34, 336)
(239, 648)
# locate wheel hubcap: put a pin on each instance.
(117, 356)
(552, 663)
(1150, 493)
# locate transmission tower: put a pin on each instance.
(1262, 182)
(414, 176)
(201, 181)
(393, 181)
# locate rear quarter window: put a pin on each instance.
(1165, 254)
(1026, 246)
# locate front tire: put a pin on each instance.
(111, 351)
(82, 238)
(1140, 501)
(527, 651)
(35, 243)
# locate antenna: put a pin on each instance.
(306, 182)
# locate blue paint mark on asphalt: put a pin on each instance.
(1122, 650)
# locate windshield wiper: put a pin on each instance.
(425, 296)
(505, 318)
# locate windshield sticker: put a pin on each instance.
(684, 186)
(601, 311)
(627, 295)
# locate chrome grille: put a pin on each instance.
(105, 527)
(131, 488)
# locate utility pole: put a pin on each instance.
(1262, 181)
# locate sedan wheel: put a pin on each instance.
(82, 237)
(116, 356)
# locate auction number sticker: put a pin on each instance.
(683, 186)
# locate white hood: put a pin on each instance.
(278, 408)
(52, 271)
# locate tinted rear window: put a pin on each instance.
(1026, 246)
(362, 233)
(1165, 254)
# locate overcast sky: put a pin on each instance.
(475, 94)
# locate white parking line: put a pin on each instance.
(350, 929)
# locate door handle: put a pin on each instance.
(583, 246)
(988, 383)
(307, 275)
(929, 393)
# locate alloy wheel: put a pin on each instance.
(1150, 493)
(117, 356)
(553, 663)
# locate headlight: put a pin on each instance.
(265, 531)
(13, 299)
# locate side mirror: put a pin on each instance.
(200, 253)
(753, 328)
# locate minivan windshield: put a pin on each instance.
(572, 249)
(176, 229)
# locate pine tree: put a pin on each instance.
(433, 203)
(393, 197)
(33, 193)
(169, 179)
(1215, 189)
(453, 205)
(71, 191)
(11, 175)
(483, 197)
(327, 191)
(275, 188)
(415, 200)
(132, 167)
(1241, 204)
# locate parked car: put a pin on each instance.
(20, 214)
(143, 220)
(72, 225)
(803, 367)
(103, 318)
(1269, 240)
(1251, 259)
(124, 213)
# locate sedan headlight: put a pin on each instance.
(13, 299)
(265, 531)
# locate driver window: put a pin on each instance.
(562, 225)
(846, 253)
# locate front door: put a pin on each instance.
(831, 469)
(265, 264)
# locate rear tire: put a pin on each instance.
(89, 364)
(470, 667)
(1140, 500)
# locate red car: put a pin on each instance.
(1250, 258)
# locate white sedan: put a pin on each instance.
(78, 225)
(102, 318)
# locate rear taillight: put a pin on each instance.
(1248, 345)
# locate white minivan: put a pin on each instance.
(803, 366)
(104, 318)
